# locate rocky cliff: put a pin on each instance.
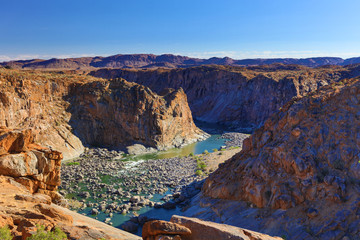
(237, 96)
(66, 111)
(118, 113)
(35, 100)
(305, 159)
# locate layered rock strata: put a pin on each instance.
(236, 96)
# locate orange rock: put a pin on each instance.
(290, 159)
(158, 227)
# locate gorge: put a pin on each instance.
(297, 175)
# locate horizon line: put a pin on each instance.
(205, 56)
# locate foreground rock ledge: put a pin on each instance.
(195, 229)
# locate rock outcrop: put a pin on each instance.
(305, 157)
(66, 111)
(118, 113)
(29, 177)
(186, 228)
(236, 96)
(23, 212)
(35, 167)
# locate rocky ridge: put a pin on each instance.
(236, 96)
(305, 160)
(165, 60)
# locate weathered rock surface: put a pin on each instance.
(23, 211)
(237, 96)
(35, 167)
(35, 100)
(118, 113)
(157, 228)
(305, 157)
(66, 111)
(204, 230)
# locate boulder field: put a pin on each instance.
(67, 111)
(302, 168)
(242, 97)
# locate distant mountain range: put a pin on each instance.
(166, 61)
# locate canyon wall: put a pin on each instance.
(118, 113)
(305, 157)
(68, 111)
(236, 96)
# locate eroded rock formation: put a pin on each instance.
(118, 113)
(36, 167)
(66, 111)
(236, 96)
(29, 177)
(306, 157)
(185, 228)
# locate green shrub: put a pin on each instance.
(215, 150)
(72, 163)
(220, 153)
(206, 152)
(5, 233)
(191, 154)
(199, 172)
(41, 234)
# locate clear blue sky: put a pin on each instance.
(199, 28)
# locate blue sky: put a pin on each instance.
(198, 28)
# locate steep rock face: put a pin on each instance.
(237, 96)
(35, 100)
(304, 157)
(118, 113)
(60, 108)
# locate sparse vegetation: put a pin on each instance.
(72, 163)
(41, 234)
(199, 172)
(206, 152)
(200, 166)
(5, 233)
(215, 150)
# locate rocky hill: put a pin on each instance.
(67, 111)
(165, 60)
(236, 96)
(304, 161)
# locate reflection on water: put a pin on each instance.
(213, 142)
